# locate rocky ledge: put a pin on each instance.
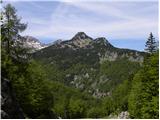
(10, 108)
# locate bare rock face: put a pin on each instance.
(81, 39)
(81, 36)
(123, 115)
(112, 56)
(10, 108)
(32, 43)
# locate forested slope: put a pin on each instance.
(78, 78)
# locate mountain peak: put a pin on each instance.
(102, 40)
(33, 43)
(31, 39)
(81, 36)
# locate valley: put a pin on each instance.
(78, 78)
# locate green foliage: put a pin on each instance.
(69, 102)
(117, 71)
(28, 78)
(31, 89)
(11, 26)
(96, 112)
(120, 96)
(53, 72)
(77, 108)
(143, 100)
(108, 105)
(135, 97)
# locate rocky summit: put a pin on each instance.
(81, 36)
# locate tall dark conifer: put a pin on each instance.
(151, 44)
(11, 26)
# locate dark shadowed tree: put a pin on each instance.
(11, 27)
(151, 44)
(27, 78)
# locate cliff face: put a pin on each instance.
(10, 107)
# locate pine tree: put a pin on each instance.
(11, 27)
(151, 44)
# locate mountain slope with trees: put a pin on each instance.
(91, 65)
(79, 78)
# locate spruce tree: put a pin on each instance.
(28, 79)
(151, 44)
(11, 27)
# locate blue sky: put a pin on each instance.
(125, 23)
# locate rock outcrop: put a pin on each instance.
(10, 108)
(123, 115)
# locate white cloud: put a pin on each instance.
(64, 23)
